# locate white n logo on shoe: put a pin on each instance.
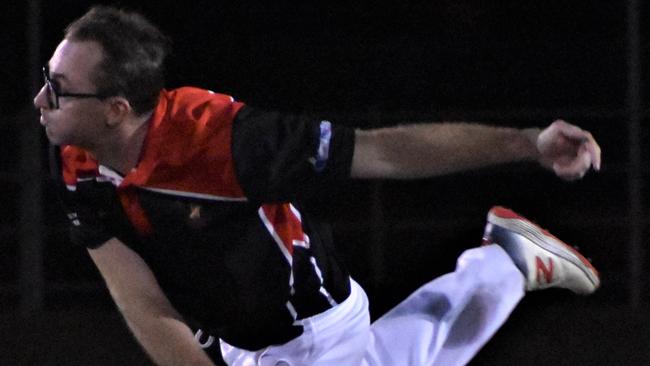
(543, 271)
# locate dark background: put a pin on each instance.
(369, 64)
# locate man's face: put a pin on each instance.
(76, 121)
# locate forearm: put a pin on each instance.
(151, 317)
(415, 151)
(164, 336)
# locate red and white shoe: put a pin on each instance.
(544, 259)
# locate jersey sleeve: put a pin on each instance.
(279, 157)
(90, 206)
(88, 224)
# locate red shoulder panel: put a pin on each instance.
(187, 148)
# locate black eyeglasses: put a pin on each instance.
(53, 93)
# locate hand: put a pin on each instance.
(568, 150)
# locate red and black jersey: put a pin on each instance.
(215, 208)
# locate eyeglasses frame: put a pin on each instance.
(52, 90)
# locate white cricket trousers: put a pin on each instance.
(445, 322)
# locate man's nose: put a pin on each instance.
(40, 100)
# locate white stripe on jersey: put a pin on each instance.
(196, 195)
(323, 291)
(274, 234)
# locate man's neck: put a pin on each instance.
(121, 152)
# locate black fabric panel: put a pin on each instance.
(275, 154)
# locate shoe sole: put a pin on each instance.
(548, 242)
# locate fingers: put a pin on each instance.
(577, 167)
(588, 152)
(593, 149)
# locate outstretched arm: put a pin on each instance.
(152, 319)
(425, 150)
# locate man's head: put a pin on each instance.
(134, 52)
(110, 64)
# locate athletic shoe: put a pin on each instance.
(544, 259)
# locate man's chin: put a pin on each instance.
(52, 138)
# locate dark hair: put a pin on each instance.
(134, 54)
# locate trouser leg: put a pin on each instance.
(448, 320)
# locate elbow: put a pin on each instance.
(372, 156)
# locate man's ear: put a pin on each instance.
(118, 110)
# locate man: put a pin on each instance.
(193, 208)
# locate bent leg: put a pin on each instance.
(448, 320)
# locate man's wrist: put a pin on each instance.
(532, 135)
